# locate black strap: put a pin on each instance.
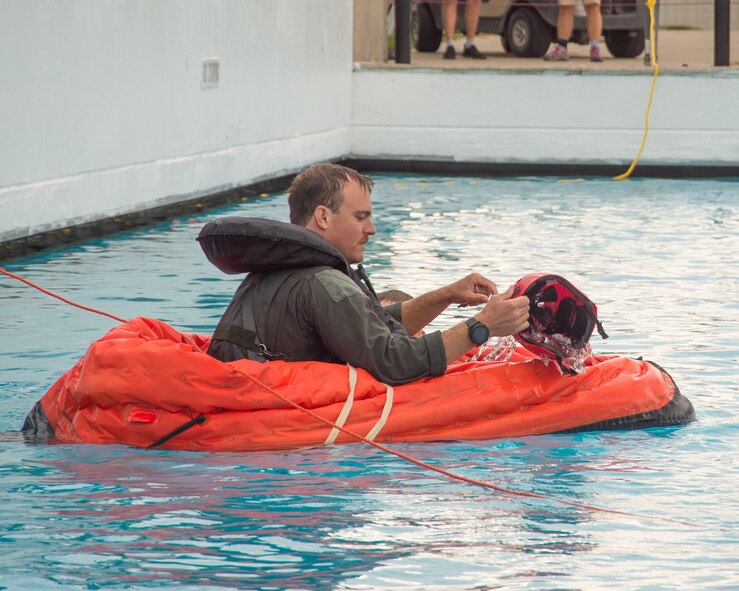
(238, 336)
(265, 307)
(246, 339)
(238, 325)
(365, 278)
(198, 420)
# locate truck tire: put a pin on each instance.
(625, 43)
(527, 35)
(424, 32)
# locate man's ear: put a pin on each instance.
(320, 217)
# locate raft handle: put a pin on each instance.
(198, 420)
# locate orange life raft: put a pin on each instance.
(144, 383)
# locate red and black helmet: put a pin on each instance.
(557, 309)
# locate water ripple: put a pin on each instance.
(658, 257)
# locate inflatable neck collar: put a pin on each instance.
(254, 245)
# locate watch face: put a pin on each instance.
(478, 333)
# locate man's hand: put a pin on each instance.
(505, 316)
(472, 290)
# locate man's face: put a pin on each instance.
(350, 228)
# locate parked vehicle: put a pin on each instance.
(527, 29)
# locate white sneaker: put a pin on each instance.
(557, 54)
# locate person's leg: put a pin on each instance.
(449, 20)
(472, 18)
(595, 21)
(471, 21)
(595, 29)
(565, 24)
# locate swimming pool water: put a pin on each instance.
(659, 257)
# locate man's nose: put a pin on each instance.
(370, 228)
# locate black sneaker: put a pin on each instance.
(473, 52)
(450, 54)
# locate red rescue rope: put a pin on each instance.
(381, 447)
(459, 477)
(65, 300)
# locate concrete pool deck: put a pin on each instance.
(513, 115)
(677, 50)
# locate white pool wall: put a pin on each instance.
(104, 111)
(546, 117)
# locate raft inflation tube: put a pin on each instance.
(146, 384)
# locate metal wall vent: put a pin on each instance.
(210, 73)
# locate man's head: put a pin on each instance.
(393, 296)
(396, 296)
(334, 202)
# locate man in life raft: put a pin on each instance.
(298, 307)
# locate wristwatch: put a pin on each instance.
(478, 331)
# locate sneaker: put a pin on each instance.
(558, 54)
(595, 54)
(450, 54)
(473, 52)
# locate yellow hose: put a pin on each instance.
(627, 174)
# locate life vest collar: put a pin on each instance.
(238, 244)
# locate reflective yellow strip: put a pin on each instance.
(385, 413)
(347, 407)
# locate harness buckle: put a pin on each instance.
(262, 350)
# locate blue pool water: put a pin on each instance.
(659, 257)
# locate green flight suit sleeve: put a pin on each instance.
(343, 317)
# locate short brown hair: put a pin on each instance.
(321, 184)
(394, 296)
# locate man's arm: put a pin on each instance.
(502, 315)
(349, 328)
(473, 290)
(343, 317)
